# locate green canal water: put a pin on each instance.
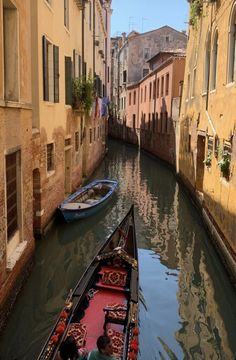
(187, 303)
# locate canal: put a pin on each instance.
(187, 304)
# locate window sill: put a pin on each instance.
(204, 94)
(213, 91)
(15, 256)
(67, 30)
(48, 5)
(50, 173)
(229, 85)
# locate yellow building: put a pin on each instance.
(51, 138)
(207, 141)
(69, 42)
(16, 231)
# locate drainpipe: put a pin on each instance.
(82, 30)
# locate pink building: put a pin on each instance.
(153, 105)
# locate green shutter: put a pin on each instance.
(68, 80)
(56, 73)
(45, 70)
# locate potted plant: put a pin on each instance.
(224, 163)
(82, 91)
(208, 159)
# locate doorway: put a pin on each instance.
(200, 164)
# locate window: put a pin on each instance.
(162, 85)
(68, 81)
(232, 48)
(141, 95)
(50, 71)
(194, 82)
(146, 53)
(167, 84)
(66, 13)
(150, 90)
(76, 64)
(145, 94)
(94, 134)
(133, 121)
(154, 89)
(145, 72)
(50, 157)
(12, 192)
(149, 121)
(130, 98)
(158, 87)
(90, 136)
(188, 88)
(153, 122)
(124, 76)
(207, 64)
(11, 52)
(76, 141)
(134, 97)
(214, 61)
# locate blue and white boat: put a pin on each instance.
(88, 200)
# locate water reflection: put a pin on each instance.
(187, 307)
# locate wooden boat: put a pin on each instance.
(105, 300)
(88, 200)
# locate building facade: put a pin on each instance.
(71, 44)
(52, 133)
(207, 152)
(16, 187)
(153, 106)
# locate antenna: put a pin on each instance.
(143, 19)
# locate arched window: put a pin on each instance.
(214, 61)
(231, 76)
(206, 63)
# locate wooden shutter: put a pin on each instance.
(68, 80)
(45, 70)
(79, 65)
(74, 64)
(56, 73)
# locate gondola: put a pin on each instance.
(87, 200)
(105, 300)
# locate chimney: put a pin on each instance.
(123, 37)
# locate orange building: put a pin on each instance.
(153, 106)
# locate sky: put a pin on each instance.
(146, 15)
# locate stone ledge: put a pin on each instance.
(11, 261)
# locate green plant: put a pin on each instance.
(195, 12)
(82, 90)
(208, 159)
(224, 163)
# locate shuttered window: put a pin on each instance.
(11, 190)
(56, 73)
(50, 157)
(50, 71)
(45, 70)
(68, 80)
